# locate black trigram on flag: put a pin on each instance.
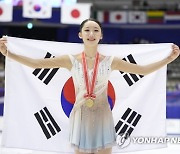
(47, 123)
(45, 74)
(128, 122)
(129, 77)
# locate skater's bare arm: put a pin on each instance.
(61, 61)
(119, 64)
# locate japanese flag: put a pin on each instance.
(75, 13)
(6, 10)
(118, 17)
(37, 9)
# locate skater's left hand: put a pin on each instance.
(175, 52)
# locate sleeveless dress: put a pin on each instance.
(91, 129)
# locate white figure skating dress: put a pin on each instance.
(91, 129)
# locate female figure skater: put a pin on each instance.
(91, 122)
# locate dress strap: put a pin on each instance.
(71, 58)
(111, 59)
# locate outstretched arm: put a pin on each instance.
(61, 61)
(124, 66)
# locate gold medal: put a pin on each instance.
(89, 102)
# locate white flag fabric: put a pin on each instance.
(137, 17)
(100, 16)
(37, 9)
(38, 101)
(6, 11)
(103, 16)
(118, 17)
(75, 13)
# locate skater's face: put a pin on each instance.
(90, 33)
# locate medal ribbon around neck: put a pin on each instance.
(90, 87)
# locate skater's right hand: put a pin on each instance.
(3, 48)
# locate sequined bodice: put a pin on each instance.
(104, 70)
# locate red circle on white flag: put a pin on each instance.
(118, 17)
(1, 11)
(75, 13)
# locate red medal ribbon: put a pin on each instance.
(90, 88)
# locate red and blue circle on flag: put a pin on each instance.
(68, 96)
(37, 8)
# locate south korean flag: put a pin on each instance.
(38, 101)
(39, 9)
